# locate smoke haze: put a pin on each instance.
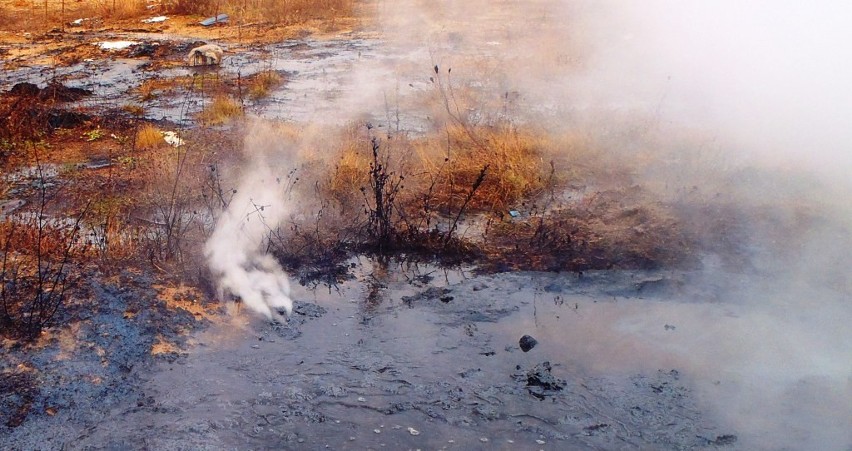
(765, 84)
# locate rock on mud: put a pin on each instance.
(527, 342)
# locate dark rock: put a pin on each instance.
(527, 342)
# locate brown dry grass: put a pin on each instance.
(124, 9)
(440, 169)
(221, 110)
(277, 11)
(514, 161)
(149, 136)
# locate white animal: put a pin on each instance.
(205, 55)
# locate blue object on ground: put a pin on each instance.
(514, 213)
(221, 18)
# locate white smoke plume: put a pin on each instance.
(235, 251)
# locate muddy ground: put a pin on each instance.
(402, 357)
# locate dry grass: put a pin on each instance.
(440, 170)
(157, 86)
(286, 12)
(117, 9)
(149, 136)
(514, 161)
(220, 110)
(133, 109)
(262, 83)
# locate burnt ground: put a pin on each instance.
(415, 357)
(404, 356)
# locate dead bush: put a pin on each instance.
(40, 258)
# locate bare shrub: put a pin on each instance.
(39, 255)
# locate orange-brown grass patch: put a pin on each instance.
(285, 12)
(125, 9)
(513, 160)
(220, 110)
(148, 136)
(441, 169)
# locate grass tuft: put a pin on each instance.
(262, 83)
(148, 137)
(221, 110)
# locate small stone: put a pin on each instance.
(255, 346)
(377, 431)
(413, 431)
(527, 342)
(540, 442)
(362, 399)
(483, 439)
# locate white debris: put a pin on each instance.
(173, 139)
(540, 442)
(362, 399)
(79, 22)
(377, 431)
(116, 45)
(413, 431)
(205, 55)
(157, 19)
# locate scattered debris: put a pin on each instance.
(539, 380)
(527, 342)
(221, 18)
(205, 55)
(144, 49)
(79, 22)
(173, 139)
(514, 213)
(157, 19)
(116, 45)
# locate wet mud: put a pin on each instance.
(397, 358)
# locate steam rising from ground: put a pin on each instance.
(766, 84)
(235, 251)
